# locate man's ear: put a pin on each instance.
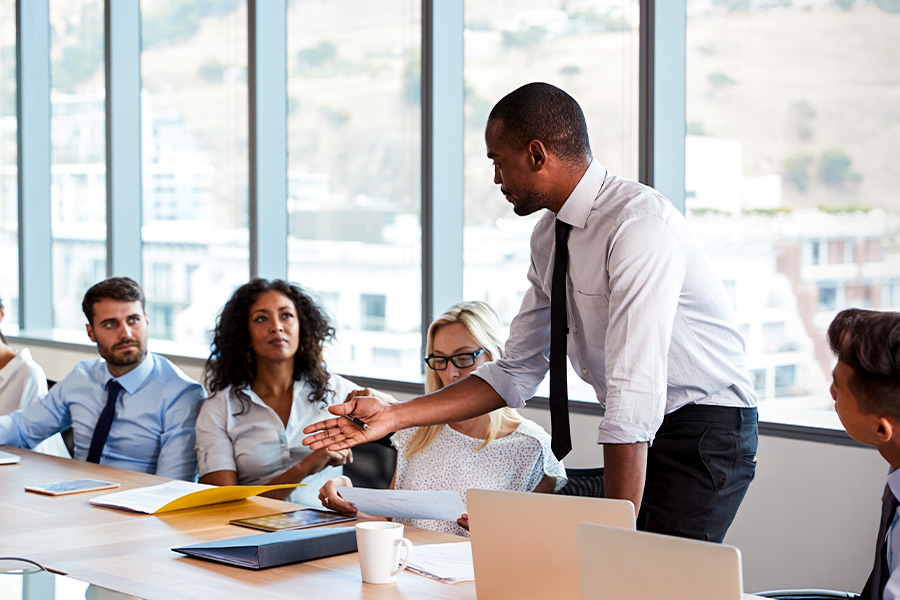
(886, 427)
(90, 332)
(538, 154)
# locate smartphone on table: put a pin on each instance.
(61, 488)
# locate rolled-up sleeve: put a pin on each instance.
(525, 362)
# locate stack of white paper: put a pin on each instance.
(450, 563)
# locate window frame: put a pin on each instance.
(661, 157)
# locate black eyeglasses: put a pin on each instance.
(463, 360)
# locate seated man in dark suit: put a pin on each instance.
(866, 392)
(130, 408)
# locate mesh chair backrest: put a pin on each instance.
(584, 482)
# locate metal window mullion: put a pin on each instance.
(662, 97)
(33, 139)
(442, 156)
(122, 27)
(267, 69)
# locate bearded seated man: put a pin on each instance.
(129, 408)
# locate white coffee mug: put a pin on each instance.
(379, 550)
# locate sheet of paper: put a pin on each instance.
(175, 495)
(449, 563)
(405, 504)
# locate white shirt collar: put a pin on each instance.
(578, 205)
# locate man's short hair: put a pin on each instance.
(123, 289)
(868, 341)
(540, 111)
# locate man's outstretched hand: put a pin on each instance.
(340, 432)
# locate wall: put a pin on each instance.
(809, 519)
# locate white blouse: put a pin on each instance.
(516, 462)
(256, 444)
(22, 381)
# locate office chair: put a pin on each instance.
(807, 595)
(584, 482)
(373, 464)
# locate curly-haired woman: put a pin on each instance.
(267, 380)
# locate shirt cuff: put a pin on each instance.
(618, 432)
(502, 383)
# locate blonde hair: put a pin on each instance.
(483, 325)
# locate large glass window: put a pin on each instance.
(354, 150)
(9, 213)
(790, 178)
(588, 49)
(195, 159)
(77, 154)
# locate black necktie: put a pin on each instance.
(561, 441)
(881, 572)
(101, 431)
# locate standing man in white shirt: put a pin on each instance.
(650, 328)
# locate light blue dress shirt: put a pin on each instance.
(892, 588)
(152, 432)
(651, 328)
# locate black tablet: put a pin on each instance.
(295, 519)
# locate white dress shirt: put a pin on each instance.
(892, 588)
(22, 381)
(250, 439)
(650, 326)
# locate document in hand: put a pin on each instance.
(275, 549)
(175, 495)
(406, 504)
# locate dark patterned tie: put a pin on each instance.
(881, 572)
(561, 441)
(101, 431)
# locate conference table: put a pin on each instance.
(131, 552)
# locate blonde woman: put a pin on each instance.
(499, 450)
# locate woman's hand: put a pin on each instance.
(463, 521)
(331, 499)
(319, 459)
(371, 393)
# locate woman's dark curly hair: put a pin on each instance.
(232, 361)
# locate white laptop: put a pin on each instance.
(523, 545)
(615, 563)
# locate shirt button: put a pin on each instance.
(585, 371)
(575, 328)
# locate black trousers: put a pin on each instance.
(698, 469)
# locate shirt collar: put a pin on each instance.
(135, 378)
(894, 482)
(578, 205)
